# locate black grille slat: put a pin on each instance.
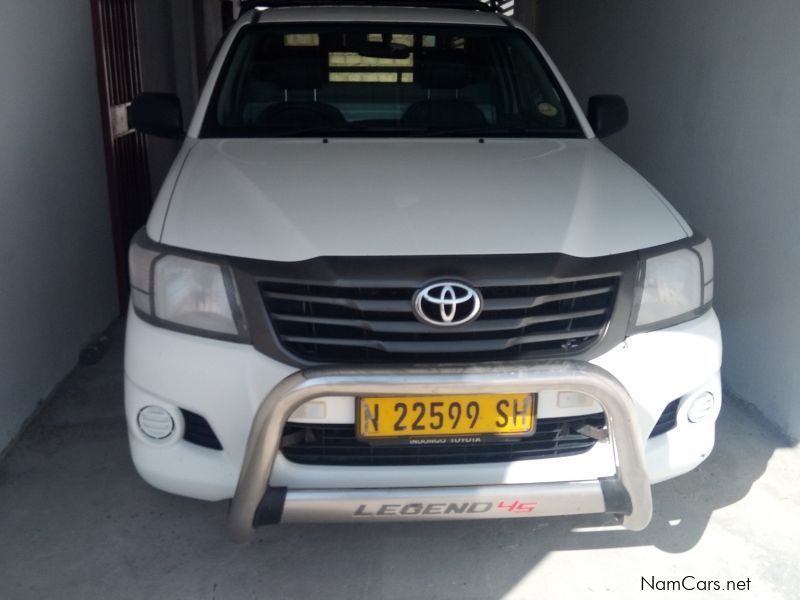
(391, 305)
(501, 304)
(325, 323)
(361, 305)
(337, 445)
(407, 326)
(437, 347)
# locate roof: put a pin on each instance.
(479, 5)
(377, 14)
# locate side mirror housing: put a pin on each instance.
(157, 114)
(607, 114)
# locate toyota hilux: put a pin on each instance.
(394, 275)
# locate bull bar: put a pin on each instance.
(627, 494)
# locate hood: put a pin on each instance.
(295, 199)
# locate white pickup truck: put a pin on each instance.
(393, 274)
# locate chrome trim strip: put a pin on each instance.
(572, 376)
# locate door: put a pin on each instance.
(119, 81)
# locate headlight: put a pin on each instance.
(184, 293)
(675, 286)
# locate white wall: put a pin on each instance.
(714, 91)
(57, 286)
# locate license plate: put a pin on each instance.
(469, 417)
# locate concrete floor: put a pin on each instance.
(77, 522)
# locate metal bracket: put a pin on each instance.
(596, 433)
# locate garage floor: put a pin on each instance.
(77, 522)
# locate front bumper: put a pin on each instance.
(227, 383)
(626, 493)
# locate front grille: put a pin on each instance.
(337, 445)
(376, 324)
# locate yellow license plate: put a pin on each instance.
(445, 416)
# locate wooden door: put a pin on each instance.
(119, 81)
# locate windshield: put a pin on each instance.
(345, 80)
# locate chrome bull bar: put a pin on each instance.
(627, 494)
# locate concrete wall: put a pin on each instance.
(714, 91)
(57, 285)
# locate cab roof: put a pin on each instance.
(407, 11)
(479, 5)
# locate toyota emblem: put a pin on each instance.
(447, 304)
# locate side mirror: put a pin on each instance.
(157, 114)
(608, 114)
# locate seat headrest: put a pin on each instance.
(293, 73)
(443, 69)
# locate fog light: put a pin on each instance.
(155, 422)
(700, 408)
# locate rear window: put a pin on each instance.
(386, 80)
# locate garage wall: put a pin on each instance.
(57, 286)
(714, 91)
